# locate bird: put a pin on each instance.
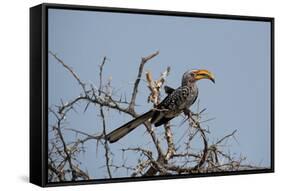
(177, 101)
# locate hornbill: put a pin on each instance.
(177, 101)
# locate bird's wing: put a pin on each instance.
(168, 89)
(174, 100)
(171, 103)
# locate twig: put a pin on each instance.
(225, 137)
(68, 157)
(197, 125)
(106, 147)
(70, 70)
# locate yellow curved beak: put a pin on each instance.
(204, 74)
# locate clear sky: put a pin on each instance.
(237, 52)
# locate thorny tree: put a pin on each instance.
(169, 156)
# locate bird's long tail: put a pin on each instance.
(120, 132)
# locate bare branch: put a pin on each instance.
(65, 149)
(169, 137)
(106, 147)
(70, 70)
(226, 137)
(136, 84)
(178, 157)
(155, 86)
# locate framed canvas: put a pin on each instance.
(130, 95)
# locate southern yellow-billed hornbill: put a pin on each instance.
(177, 101)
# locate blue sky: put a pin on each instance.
(237, 52)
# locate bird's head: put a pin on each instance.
(195, 75)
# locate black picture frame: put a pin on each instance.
(39, 91)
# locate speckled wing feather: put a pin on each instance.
(172, 105)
